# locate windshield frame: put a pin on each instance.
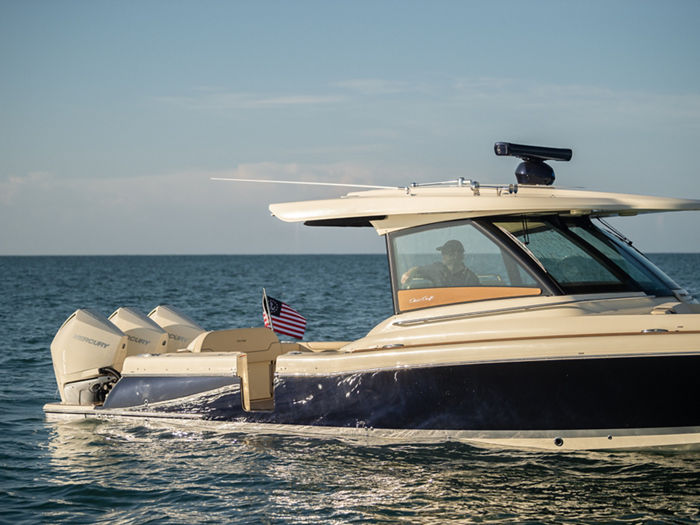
(658, 283)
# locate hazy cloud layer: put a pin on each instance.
(174, 213)
(222, 100)
(479, 92)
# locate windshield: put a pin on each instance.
(583, 259)
(472, 260)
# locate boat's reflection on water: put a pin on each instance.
(191, 470)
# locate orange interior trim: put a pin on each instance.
(425, 297)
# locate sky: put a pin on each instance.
(114, 116)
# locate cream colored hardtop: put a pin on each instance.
(395, 209)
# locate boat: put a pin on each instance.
(521, 319)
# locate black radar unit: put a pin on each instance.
(533, 169)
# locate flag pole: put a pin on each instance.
(266, 308)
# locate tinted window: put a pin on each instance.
(582, 259)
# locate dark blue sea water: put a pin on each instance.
(135, 472)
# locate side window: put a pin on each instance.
(459, 259)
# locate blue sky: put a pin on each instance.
(115, 115)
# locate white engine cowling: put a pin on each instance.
(144, 336)
(87, 352)
(180, 328)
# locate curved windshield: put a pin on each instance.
(472, 260)
(455, 262)
(583, 259)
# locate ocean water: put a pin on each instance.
(98, 471)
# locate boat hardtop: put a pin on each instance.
(393, 209)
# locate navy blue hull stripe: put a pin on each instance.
(640, 392)
(134, 391)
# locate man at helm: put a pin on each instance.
(451, 271)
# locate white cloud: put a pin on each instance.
(10, 188)
(211, 98)
(376, 86)
(221, 100)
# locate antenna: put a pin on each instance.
(533, 169)
(307, 183)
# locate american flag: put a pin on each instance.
(285, 319)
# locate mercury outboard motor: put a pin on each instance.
(180, 328)
(144, 336)
(88, 352)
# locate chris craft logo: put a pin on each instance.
(424, 299)
(90, 341)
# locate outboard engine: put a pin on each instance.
(88, 352)
(144, 336)
(180, 328)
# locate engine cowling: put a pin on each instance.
(144, 336)
(88, 352)
(180, 328)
